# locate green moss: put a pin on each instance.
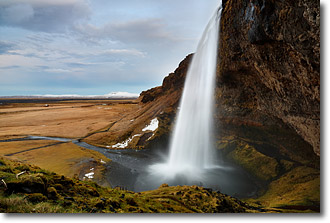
(15, 204)
(52, 193)
(36, 198)
(298, 188)
(286, 165)
(260, 165)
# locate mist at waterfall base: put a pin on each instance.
(192, 158)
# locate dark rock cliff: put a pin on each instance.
(172, 83)
(270, 64)
(268, 96)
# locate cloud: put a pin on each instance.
(124, 52)
(18, 60)
(16, 14)
(46, 16)
(146, 31)
(57, 70)
(5, 46)
(9, 67)
(100, 45)
(40, 2)
(140, 30)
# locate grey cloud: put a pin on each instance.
(43, 17)
(9, 67)
(124, 52)
(5, 47)
(147, 31)
(16, 14)
(78, 64)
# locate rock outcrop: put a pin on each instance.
(269, 57)
(268, 96)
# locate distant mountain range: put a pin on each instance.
(114, 95)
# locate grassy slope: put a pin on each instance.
(40, 191)
(293, 182)
(66, 159)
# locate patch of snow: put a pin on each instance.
(90, 175)
(152, 126)
(124, 144)
(102, 161)
(132, 120)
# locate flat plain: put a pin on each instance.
(71, 119)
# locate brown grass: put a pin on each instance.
(70, 120)
(67, 159)
(13, 147)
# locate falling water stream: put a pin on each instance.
(192, 143)
(191, 150)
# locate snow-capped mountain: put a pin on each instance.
(122, 95)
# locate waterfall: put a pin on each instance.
(192, 144)
(192, 141)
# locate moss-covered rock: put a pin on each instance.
(36, 198)
(260, 165)
(27, 184)
(52, 193)
(297, 190)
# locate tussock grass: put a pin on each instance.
(41, 191)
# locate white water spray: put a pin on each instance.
(191, 148)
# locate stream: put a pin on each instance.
(129, 170)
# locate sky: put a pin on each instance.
(93, 47)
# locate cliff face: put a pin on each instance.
(268, 96)
(270, 64)
(173, 83)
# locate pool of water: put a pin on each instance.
(130, 169)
